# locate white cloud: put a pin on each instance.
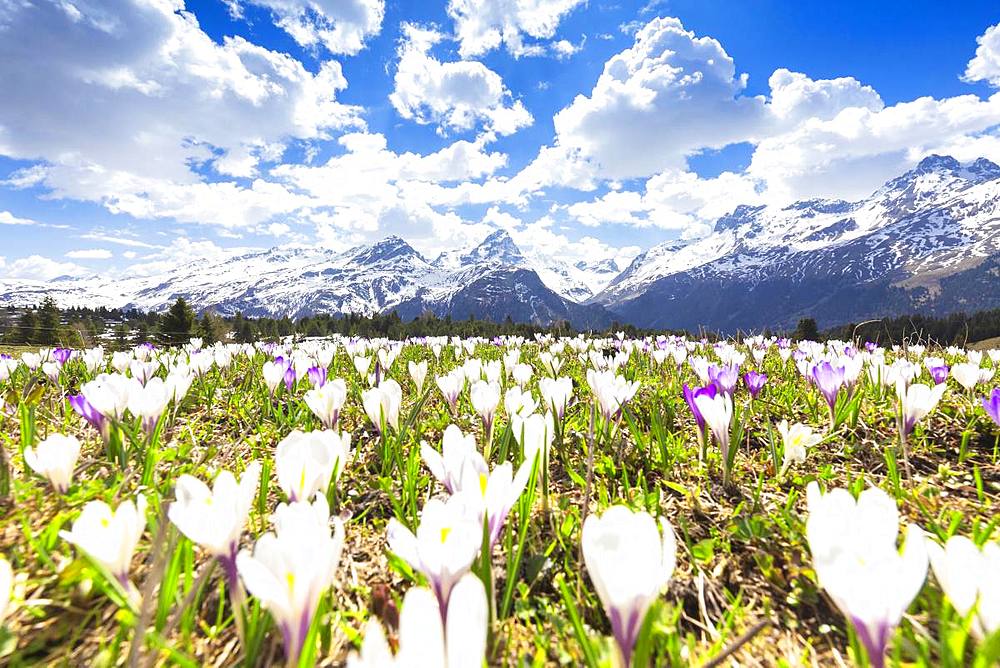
(181, 250)
(564, 48)
(90, 254)
(117, 239)
(278, 229)
(135, 95)
(853, 153)
(482, 25)
(342, 26)
(7, 218)
(671, 200)
(382, 192)
(455, 96)
(673, 94)
(38, 268)
(985, 65)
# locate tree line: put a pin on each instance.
(48, 325)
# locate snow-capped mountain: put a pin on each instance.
(926, 241)
(490, 280)
(577, 282)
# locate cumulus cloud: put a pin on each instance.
(181, 251)
(854, 152)
(38, 268)
(483, 25)
(674, 94)
(381, 192)
(456, 95)
(341, 26)
(136, 95)
(985, 65)
(672, 200)
(90, 254)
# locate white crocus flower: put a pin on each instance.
(179, 383)
(93, 359)
(291, 568)
(31, 360)
(630, 560)
(485, 397)
(110, 537)
(447, 541)
(148, 402)
(518, 402)
(460, 642)
(215, 518)
(796, 439)
(326, 401)
(418, 374)
(556, 393)
(522, 374)
(383, 402)
(917, 401)
(55, 458)
(970, 578)
(717, 412)
(305, 462)
(362, 364)
(451, 385)
(446, 466)
(610, 390)
(496, 492)
(274, 375)
(534, 433)
(853, 546)
(966, 374)
(109, 394)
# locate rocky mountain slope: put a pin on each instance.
(927, 241)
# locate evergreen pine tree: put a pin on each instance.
(48, 323)
(176, 324)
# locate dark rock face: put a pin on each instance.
(517, 293)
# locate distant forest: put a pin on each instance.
(48, 325)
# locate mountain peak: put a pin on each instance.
(390, 248)
(741, 214)
(984, 169)
(937, 163)
(498, 248)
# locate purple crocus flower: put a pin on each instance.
(317, 376)
(724, 377)
(992, 405)
(62, 355)
(829, 379)
(939, 374)
(84, 409)
(755, 382)
(289, 377)
(691, 394)
(871, 346)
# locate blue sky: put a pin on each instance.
(138, 132)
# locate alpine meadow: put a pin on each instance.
(528, 333)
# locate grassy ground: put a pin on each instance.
(744, 592)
